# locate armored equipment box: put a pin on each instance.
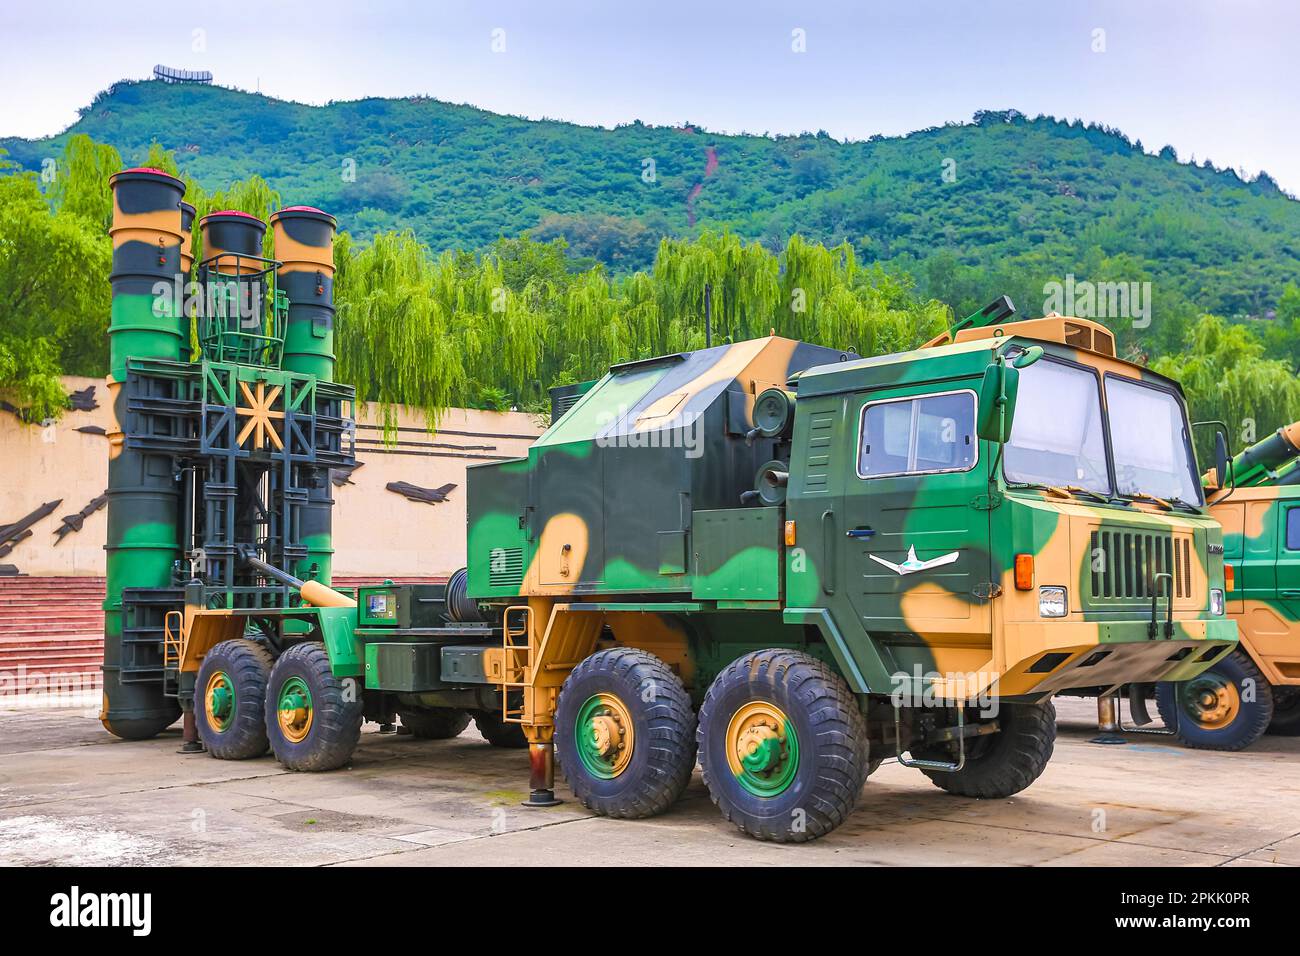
(608, 499)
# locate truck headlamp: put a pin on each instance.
(1051, 602)
(1216, 601)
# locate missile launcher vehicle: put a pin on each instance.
(1255, 689)
(787, 564)
(784, 562)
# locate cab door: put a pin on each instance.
(917, 536)
(1288, 558)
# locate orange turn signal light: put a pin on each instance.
(1024, 572)
(789, 534)
(1228, 577)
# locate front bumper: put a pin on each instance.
(1052, 656)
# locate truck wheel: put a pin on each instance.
(783, 746)
(497, 732)
(1216, 709)
(434, 723)
(311, 723)
(624, 734)
(1286, 712)
(230, 699)
(1000, 764)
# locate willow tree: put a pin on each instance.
(395, 339)
(80, 184)
(1226, 378)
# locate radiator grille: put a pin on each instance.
(505, 567)
(1124, 564)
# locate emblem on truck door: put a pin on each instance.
(914, 564)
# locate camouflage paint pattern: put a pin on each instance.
(1265, 561)
(142, 544)
(304, 246)
(603, 514)
(234, 240)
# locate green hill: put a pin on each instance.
(1030, 200)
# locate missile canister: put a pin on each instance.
(304, 247)
(232, 246)
(142, 542)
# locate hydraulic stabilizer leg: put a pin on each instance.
(541, 767)
(190, 743)
(189, 733)
(1108, 720)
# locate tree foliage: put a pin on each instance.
(54, 299)
(1029, 199)
(1227, 377)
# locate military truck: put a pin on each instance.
(789, 563)
(1255, 689)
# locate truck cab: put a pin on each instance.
(1076, 555)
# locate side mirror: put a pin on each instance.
(1028, 357)
(998, 394)
(1223, 477)
(1221, 457)
(997, 401)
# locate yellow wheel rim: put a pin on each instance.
(294, 711)
(1212, 701)
(605, 736)
(762, 748)
(219, 701)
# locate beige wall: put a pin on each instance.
(376, 532)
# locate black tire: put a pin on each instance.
(335, 719)
(434, 723)
(823, 782)
(1252, 717)
(1286, 712)
(663, 733)
(247, 666)
(1001, 764)
(497, 732)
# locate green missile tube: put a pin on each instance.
(304, 247)
(142, 543)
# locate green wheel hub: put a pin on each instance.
(604, 736)
(219, 699)
(294, 710)
(762, 749)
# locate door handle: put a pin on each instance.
(1290, 594)
(859, 533)
(828, 552)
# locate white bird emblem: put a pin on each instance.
(914, 564)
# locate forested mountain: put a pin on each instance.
(1005, 203)
(482, 259)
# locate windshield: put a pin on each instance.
(1148, 435)
(1056, 437)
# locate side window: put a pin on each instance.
(1293, 529)
(916, 436)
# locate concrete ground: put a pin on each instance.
(70, 794)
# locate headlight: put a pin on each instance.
(1051, 602)
(1216, 600)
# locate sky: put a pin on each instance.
(1215, 80)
